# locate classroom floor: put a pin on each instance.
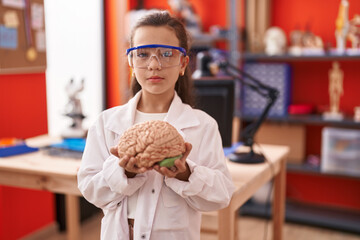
(249, 229)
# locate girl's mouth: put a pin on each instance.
(155, 79)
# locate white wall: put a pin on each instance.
(75, 49)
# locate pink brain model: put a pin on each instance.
(150, 142)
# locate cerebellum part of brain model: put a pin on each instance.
(151, 142)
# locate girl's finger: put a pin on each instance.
(188, 147)
(180, 165)
(173, 169)
(156, 168)
(113, 151)
(142, 170)
(132, 163)
(167, 172)
(124, 161)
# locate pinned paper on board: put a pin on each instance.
(37, 16)
(14, 3)
(22, 36)
(11, 19)
(40, 41)
(8, 37)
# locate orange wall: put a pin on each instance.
(23, 114)
(319, 15)
(23, 105)
(111, 58)
(205, 10)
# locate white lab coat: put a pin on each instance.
(167, 208)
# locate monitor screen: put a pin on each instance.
(216, 97)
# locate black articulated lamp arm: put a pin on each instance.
(248, 133)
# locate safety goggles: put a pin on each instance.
(167, 56)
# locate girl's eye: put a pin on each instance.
(142, 55)
(167, 54)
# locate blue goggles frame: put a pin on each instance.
(182, 50)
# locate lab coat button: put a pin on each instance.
(153, 191)
(143, 236)
(118, 203)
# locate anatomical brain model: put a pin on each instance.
(151, 142)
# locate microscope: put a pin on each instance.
(73, 109)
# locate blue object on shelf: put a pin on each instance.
(16, 149)
(74, 144)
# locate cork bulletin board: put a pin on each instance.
(22, 36)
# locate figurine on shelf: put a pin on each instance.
(342, 26)
(73, 110)
(336, 90)
(312, 44)
(354, 34)
(296, 43)
(275, 41)
(305, 43)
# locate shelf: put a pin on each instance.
(287, 57)
(326, 217)
(313, 119)
(205, 40)
(315, 170)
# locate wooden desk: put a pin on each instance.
(40, 171)
(248, 178)
(59, 175)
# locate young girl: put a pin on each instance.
(156, 203)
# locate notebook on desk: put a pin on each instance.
(16, 149)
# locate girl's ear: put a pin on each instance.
(184, 63)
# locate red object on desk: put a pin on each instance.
(300, 109)
(6, 142)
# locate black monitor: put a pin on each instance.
(216, 97)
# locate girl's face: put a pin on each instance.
(154, 79)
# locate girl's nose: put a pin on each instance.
(154, 63)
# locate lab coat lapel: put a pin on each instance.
(124, 116)
(181, 115)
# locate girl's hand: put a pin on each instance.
(114, 151)
(128, 163)
(180, 170)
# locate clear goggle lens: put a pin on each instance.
(167, 56)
